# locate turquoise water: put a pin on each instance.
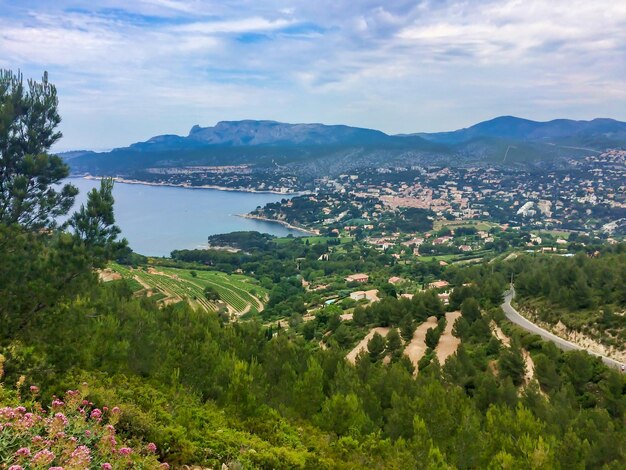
(158, 219)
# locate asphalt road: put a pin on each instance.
(514, 316)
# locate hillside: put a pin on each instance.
(252, 394)
(317, 149)
(524, 130)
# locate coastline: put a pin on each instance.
(119, 179)
(281, 222)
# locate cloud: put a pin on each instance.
(159, 66)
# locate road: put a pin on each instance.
(514, 316)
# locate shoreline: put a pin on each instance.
(119, 179)
(281, 222)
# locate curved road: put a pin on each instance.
(514, 316)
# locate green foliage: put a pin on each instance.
(94, 225)
(470, 309)
(574, 283)
(211, 294)
(432, 337)
(393, 343)
(246, 241)
(407, 328)
(28, 173)
(343, 415)
(248, 395)
(376, 347)
(69, 433)
(546, 373)
(511, 365)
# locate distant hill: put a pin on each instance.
(264, 133)
(318, 149)
(514, 128)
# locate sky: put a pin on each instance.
(127, 70)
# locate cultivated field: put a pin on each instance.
(239, 294)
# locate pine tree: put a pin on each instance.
(28, 172)
(376, 347)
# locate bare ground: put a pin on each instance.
(499, 334)
(382, 331)
(448, 343)
(107, 275)
(416, 349)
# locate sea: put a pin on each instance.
(159, 219)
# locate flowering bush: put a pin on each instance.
(72, 434)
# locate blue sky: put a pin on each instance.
(128, 70)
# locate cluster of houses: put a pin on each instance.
(372, 294)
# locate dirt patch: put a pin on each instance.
(499, 334)
(416, 349)
(382, 331)
(530, 367)
(107, 275)
(448, 343)
(170, 300)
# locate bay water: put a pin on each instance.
(158, 219)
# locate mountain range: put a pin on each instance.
(324, 149)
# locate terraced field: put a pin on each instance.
(240, 294)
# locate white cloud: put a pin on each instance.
(156, 66)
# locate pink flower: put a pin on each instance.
(165, 466)
(55, 468)
(115, 410)
(28, 420)
(107, 466)
(61, 418)
(20, 409)
(125, 451)
(36, 439)
(57, 403)
(43, 457)
(34, 389)
(112, 441)
(23, 452)
(16, 467)
(96, 414)
(151, 447)
(81, 456)
(87, 433)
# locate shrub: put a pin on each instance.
(70, 434)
